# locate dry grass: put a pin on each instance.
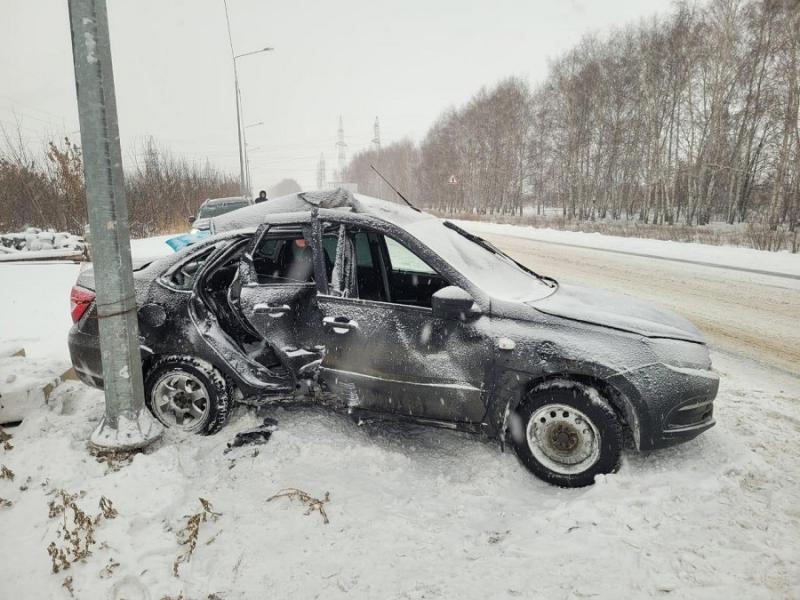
(108, 570)
(67, 585)
(5, 440)
(45, 188)
(76, 529)
(187, 535)
(114, 460)
(311, 503)
(6, 473)
(754, 235)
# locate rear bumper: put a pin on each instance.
(84, 351)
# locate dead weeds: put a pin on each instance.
(76, 529)
(5, 439)
(6, 473)
(108, 570)
(311, 503)
(67, 585)
(187, 535)
(113, 460)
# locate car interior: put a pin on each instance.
(387, 271)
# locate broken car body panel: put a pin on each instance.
(379, 309)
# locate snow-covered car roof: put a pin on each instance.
(228, 200)
(305, 202)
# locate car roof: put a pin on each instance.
(302, 203)
(228, 200)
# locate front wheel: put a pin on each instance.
(568, 435)
(187, 393)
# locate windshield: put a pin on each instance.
(495, 274)
(214, 210)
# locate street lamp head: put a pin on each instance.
(267, 49)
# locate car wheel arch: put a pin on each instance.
(626, 409)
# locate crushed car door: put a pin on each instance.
(385, 350)
(274, 293)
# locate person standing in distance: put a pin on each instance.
(262, 197)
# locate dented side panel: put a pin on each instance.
(403, 360)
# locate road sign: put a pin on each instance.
(452, 180)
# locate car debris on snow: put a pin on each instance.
(257, 436)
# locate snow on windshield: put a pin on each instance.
(495, 275)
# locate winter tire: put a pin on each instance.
(568, 435)
(187, 393)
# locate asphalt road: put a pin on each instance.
(745, 313)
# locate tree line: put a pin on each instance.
(688, 118)
(47, 190)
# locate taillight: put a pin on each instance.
(80, 299)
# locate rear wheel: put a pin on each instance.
(568, 435)
(187, 393)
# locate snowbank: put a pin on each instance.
(414, 513)
(34, 239)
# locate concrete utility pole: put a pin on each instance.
(127, 424)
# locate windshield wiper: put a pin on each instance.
(549, 281)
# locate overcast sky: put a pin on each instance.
(404, 62)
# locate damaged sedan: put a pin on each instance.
(386, 312)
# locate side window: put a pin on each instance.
(407, 279)
(369, 277)
(329, 242)
(402, 259)
(283, 258)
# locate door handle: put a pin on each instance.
(273, 310)
(340, 325)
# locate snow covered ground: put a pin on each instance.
(414, 513)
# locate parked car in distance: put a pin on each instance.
(385, 312)
(214, 207)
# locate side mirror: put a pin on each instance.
(452, 302)
(192, 218)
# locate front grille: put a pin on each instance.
(690, 414)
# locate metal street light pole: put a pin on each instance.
(127, 424)
(247, 157)
(243, 183)
(243, 135)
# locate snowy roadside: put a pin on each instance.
(35, 302)
(414, 513)
(725, 256)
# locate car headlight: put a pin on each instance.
(680, 353)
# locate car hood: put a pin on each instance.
(617, 311)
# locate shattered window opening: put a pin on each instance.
(386, 270)
(283, 256)
(182, 276)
